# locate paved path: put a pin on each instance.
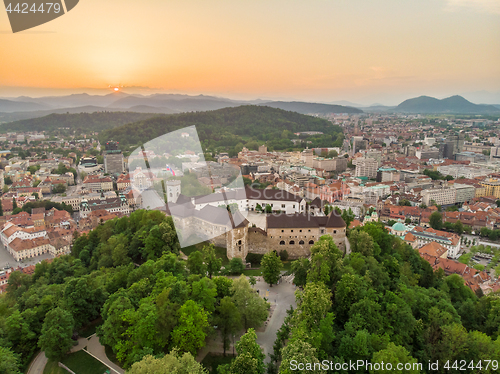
(38, 364)
(347, 246)
(94, 347)
(97, 349)
(282, 296)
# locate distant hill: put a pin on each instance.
(9, 106)
(311, 108)
(454, 104)
(96, 121)
(229, 126)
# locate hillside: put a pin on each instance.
(9, 106)
(231, 127)
(311, 108)
(453, 104)
(96, 121)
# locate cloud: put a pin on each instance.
(489, 6)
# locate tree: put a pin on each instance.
(212, 263)
(333, 154)
(8, 362)
(171, 363)
(458, 227)
(436, 221)
(60, 188)
(361, 242)
(298, 351)
(236, 265)
(271, 267)
(300, 268)
(1, 208)
(195, 263)
(56, 333)
(228, 321)
(395, 354)
(269, 209)
(189, 334)
(250, 358)
(348, 216)
(253, 309)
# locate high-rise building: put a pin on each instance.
(365, 167)
(113, 159)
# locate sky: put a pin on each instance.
(363, 51)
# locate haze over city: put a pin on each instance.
(364, 52)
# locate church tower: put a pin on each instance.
(173, 190)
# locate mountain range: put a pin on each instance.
(23, 107)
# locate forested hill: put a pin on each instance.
(230, 127)
(81, 122)
(306, 108)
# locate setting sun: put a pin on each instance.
(116, 89)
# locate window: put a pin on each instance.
(300, 230)
(334, 231)
(282, 242)
(282, 205)
(292, 242)
(239, 242)
(311, 241)
(282, 230)
(309, 230)
(294, 206)
(301, 242)
(291, 230)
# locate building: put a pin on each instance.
(109, 204)
(365, 167)
(439, 196)
(492, 187)
(97, 183)
(114, 162)
(464, 193)
(88, 164)
(427, 153)
(388, 175)
(296, 233)
(471, 157)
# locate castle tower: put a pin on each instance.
(173, 190)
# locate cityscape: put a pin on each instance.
(252, 188)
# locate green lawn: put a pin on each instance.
(212, 361)
(254, 272)
(83, 363)
(53, 368)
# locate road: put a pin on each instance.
(38, 364)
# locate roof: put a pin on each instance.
(398, 226)
(433, 249)
(270, 194)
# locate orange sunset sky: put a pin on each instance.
(320, 50)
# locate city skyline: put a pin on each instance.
(378, 52)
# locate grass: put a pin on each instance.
(212, 361)
(254, 272)
(90, 329)
(53, 368)
(83, 363)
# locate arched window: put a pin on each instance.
(301, 242)
(311, 241)
(282, 242)
(292, 242)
